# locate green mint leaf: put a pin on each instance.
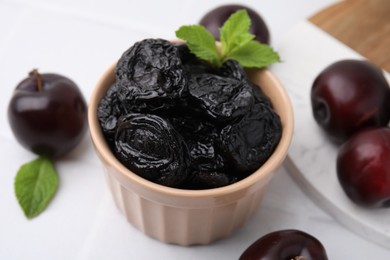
(254, 55)
(200, 42)
(235, 31)
(236, 43)
(35, 184)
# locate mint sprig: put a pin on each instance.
(200, 41)
(254, 55)
(235, 32)
(35, 184)
(236, 43)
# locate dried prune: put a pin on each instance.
(150, 76)
(220, 98)
(233, 69)
(207, 180)
(259, 95)
(204, 155)
(189, 126)
(149, 145)
(192, 64)
(247, 144)
(207, 165)
(200, 137)
(109, 111)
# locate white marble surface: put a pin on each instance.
(80, 39)
(308, 51)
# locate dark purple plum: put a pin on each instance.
(214, 20)
(363, 167)
(348, 96)
(285, 245)
(47, 114)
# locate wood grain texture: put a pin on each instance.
(363, 25)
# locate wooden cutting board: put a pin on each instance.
(363, 25)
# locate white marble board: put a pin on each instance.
(306, 51)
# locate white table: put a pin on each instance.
(80, 38)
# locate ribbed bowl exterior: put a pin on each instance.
(183, 225)
(188, 217)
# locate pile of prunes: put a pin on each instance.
(177, 121)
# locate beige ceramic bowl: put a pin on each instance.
(188, 217)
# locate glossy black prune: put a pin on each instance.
(150, 76)
(189, 125)
(233, 69)
(192, 64)
(149, 146)
(220, 98)
(200, 137)
(109, 111)
(204, 155)
(248, 143)
(207, 180)
(259, 95)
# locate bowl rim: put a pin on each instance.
(269, 166)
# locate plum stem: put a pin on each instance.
(38, 77)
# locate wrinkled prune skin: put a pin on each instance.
(203, 153)
(201, 137)
(150, 76)
(288, 244)
(220, 98)
(189, 126)
(233, 69)
(191, 64)
(149, 146)
(207, 180)
(260, 97)
(109, 111)
(247, 144)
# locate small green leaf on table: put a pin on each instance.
(35, 185)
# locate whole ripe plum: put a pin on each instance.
(214, 20)
(363, 167)
(285, 245)
(348, 96)
(47, 114)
